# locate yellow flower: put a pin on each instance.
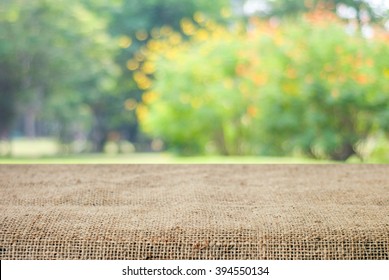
(125, 42)
(132, 65)
(141, 35)
(187, 27)
(139, 56)
(199, 17)
(166, 30)
(148, 68)
(141, 112)
(142, 80)
(149, 97)
(201, 35)
(175, 39)
(153, 45)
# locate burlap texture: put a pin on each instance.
(194, 212)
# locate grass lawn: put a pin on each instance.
(151, 158)
(45, 151)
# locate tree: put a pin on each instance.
(134, 23)
(60, 53)
(300, 87)
(54, 50)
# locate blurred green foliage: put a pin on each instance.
(63, 64)
(133, 23)
(333, 91)
(56, 59)
(303, 87)
(202, 77)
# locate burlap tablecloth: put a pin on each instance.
(194, 212)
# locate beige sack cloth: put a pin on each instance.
(194, 212)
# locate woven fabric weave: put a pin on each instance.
(194, 212)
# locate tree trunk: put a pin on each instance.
(221, 142)
(29, 123)
(99, 131)
(342, 154)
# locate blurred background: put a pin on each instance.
(194, 81)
